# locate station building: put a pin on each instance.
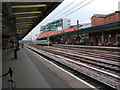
(107, 36)
(104, 30)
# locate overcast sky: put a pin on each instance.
(81, 10)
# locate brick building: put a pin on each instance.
(99, 19)
(107, 36)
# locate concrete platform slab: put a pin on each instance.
(28, 72)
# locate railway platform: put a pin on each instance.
(33, 71)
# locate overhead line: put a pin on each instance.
(79, 8)
(103, 12)
(65, 7)
(72, 8)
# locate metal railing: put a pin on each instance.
(9, 82)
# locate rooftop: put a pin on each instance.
(103, 15)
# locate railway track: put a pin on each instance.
(98, 71)
(96, 53)
(103, 64)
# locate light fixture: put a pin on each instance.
(24, 23)
(29, 6)
(27, 12)
(26, 17)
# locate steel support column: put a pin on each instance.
(15, 37)
(103, 37)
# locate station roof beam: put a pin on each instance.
(27, 15)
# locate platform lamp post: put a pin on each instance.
(78, 24)
(78, 36)
(48, 39)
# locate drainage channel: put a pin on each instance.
(82, 76)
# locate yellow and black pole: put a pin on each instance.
(48, 39)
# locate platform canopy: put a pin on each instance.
(24, 16)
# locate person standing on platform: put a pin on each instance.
(22, 45)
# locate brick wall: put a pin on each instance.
(96, 20)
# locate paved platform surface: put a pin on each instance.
(28, 72)
(32, 71)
